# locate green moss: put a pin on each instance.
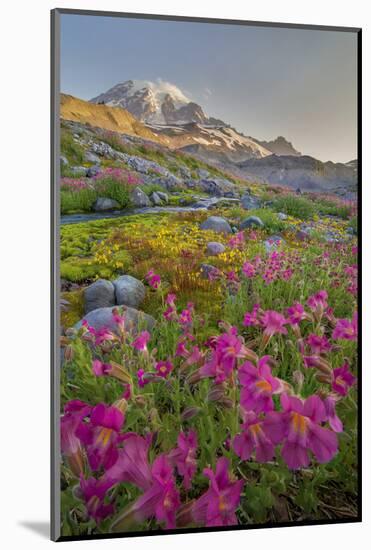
(75, 309)
(70, 149)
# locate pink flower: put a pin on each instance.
(251, 319)
(318, 344)
(170, 300)
(74, 413)
(346, 330)
(287, 274)
(248, 270)
(334, 421)
(273, 323)
(100, 369)
(184, 457)
(299, 428)
(253, 438)
(153, 280)
(295, 314)
(141, 341)
(217, 506)
(342, 380)
(141, 380)
(181, 350)
(258, 386)
(94, 492)
(164, 368)
(318, 303)
(100, 435)
(185, 318)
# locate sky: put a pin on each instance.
(264, 81)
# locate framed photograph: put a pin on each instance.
(206, 190)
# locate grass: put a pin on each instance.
(70, 149)
(299, 207)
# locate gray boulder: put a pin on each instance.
(129, 291)
(249, 202)
(93, 171)
(214, 248)
(155, 198)
(168, 182)
(104, 204)
(218, 187)
(163, 196)
(92, 157)
(251, 221)
(103, 318)
(217, 224)
(203, 174)
(63, 160)
(139, 198)
(78, 170)
(99, 294)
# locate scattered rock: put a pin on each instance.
(63, 160)
(185, 172)
(251, 221)
(169, 182)
(144, 166)
(302, 235)
(214, 248)
(163, 196)
(103, 204)
(217, 224)
(129, 291)
(249, 202)
(93, 171)
(139, 198)
(218, 187)
(99, 294)
(282, 216)
(92, 157)
(202, 174)
(103, 318)
(155, 198)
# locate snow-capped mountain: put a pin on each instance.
(157, 102)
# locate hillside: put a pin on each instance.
(115, 119)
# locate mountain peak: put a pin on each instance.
(157, 102)
(280, 146)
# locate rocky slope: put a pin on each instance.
(280, 146)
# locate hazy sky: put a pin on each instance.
(263, 81)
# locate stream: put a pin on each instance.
(201, 204)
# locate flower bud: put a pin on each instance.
(190, 412)
(68, 353)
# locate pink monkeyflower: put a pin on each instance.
(181, 350)
(195, 356)
(101, 434)
(170, 313)
(346, 330)
(269, 276)
(94, 492)
(318, 344)
(296, 314)
(184, 457)
(170, 299)
(248, 270)
(141, 341)
(287, 274)
(253, 438)
(164, 368)
(101, 369)
(318, 303)
(153, 280)
(141, 379)
(232, 276)
(273, 323)
(217, 506)
(237, 240)
(160, 498)
(74, 413)
(252, 319)
(342, 380)
(335, 423)
(185, 318)
(230, 347)
(258, 386)
(299, 428)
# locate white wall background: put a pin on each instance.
(24, 253)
